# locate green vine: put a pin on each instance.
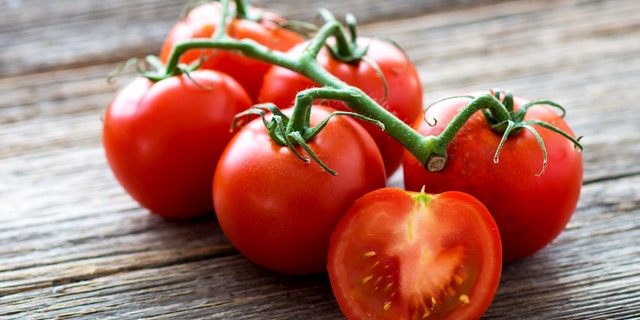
(295, 131)
(498, 108)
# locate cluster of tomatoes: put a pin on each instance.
(433, 250)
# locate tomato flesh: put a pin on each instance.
(406, 255)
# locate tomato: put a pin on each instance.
(280, 211)
(405, 255)
(530, 209)
(162, 140)
(202, 21)
(403, 96)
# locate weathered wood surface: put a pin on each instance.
(74, 245)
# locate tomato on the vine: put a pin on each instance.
(402, 95)
(162, 140)
(398, 254)
(531, 207)
(203, 20)
(280, 211)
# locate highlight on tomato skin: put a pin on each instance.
(399, 254)
(202, 22)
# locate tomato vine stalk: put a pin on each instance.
(431, 151)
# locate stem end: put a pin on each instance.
(436, 162)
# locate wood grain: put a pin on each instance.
(73, 245)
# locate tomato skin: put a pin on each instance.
(162, 140)
(202, 21)
(280, 211)
(530, 210)
(404, 89)
(398, 254)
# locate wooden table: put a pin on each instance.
(74, 245)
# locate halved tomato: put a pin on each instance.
(404, 255)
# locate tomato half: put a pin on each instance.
(163, 140)
(403, 97)
(407, 255)
(280, 211)
(530, 209)
(202, 21)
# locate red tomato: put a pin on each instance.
(202, 21)
(404, 89)
(530, 209)
(406, 255)
(162, 140)
(280, 211)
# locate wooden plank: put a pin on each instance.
(78, 33)
(591, 261)
(74, 245)
(367, 11)
(231, 286)
(39, 35)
